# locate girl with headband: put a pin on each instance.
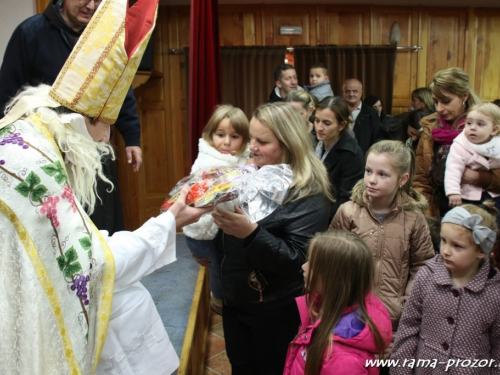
(452, 316)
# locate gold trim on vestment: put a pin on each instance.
(108, 284)
(109, 272)
(42, 128)
(46, 284)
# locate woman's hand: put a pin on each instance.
(470, 176)
(234, 223)
(455, 200)
(185, 214)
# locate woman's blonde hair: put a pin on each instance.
(84, 155)
(238, 120)
(424, 94)
(489, 110)
(304, 98)
(341, 274)
(309, 173)
(456, 81)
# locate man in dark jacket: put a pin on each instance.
(366, 125)
(36, 52)
(286, 81)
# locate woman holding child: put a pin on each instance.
(452, 96)
(261, 270)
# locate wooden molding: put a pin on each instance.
(192, 359)
(142, 77)
(41, 5)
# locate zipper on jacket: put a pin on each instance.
(380, 251)
(256, 284)
(261, 289)
(368, 234)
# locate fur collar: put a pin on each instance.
(413, 202)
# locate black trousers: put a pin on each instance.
(257, 340)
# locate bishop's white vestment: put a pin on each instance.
(68, 294)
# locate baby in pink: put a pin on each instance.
(477, 147)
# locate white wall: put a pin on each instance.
(12, 14)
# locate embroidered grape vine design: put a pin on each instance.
(32, 188)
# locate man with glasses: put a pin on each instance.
(36, 52)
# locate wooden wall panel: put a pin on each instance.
(154, 140)
(162, 110)
(445, 43)
(175, 87)
(175, 20)
(487, 55)
(177, 119)
(235, 23)
(406, 60)
(298, 15)
(345, 25)
(41, 5)
(239, 26)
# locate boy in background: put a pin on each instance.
(319, 82)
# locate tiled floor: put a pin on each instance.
(216, 361)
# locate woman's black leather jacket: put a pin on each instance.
(264, 269)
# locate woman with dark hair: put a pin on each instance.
(412, 127)
(390, 126)
(374, 101)
(337, 149)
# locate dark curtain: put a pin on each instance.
(204, 68)
(372, 65)
(248, 75)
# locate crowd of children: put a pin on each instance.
(387, 280)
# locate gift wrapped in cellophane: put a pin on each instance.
(259, 191)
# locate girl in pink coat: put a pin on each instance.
(343, 325)
(477, 147)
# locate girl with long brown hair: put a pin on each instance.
(343, 323)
